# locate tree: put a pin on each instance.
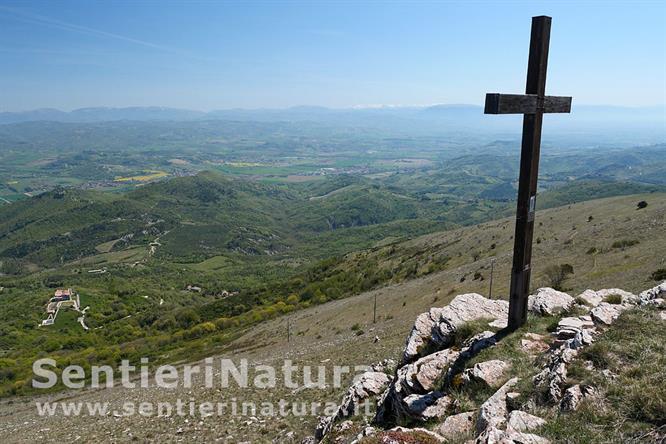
(186, 317)
(557, 274)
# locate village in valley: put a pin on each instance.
(64, 299)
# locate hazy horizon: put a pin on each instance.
(316, 106)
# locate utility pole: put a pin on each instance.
(374, 311)
(492, 270)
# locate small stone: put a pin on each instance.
(579, 322)
(456, 425)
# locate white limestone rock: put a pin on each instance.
(590, 297)
(573, 327)
(497, 436)
(594, 298)
(606, 313)
(432, 368)
(456, 426)
(438, 326)
(421, 334)
(658, 292)
(548, 302)
(429, 406)
(493, 412)
(520, 421)
(490, 373)
(370, 383)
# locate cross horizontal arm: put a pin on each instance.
(525, 104)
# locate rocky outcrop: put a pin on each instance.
(421, 390)
(435, 329)
(553, 376)
(548, 302)
(422, 376)
(405, 399)
(658, 294)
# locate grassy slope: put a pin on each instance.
(325, 332)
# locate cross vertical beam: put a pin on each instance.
(533, 104)
(529, 172)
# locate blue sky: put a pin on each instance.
(213, 55)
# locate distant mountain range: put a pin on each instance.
(456, 112)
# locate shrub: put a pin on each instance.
(659, 275)
(615, 299)
(624, 243)
(469, 329)
(186, 317)
(557, 274)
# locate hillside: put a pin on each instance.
(194, 217)
(607, 242)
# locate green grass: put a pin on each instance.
(632, 407)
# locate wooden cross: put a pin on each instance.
(532, 104)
